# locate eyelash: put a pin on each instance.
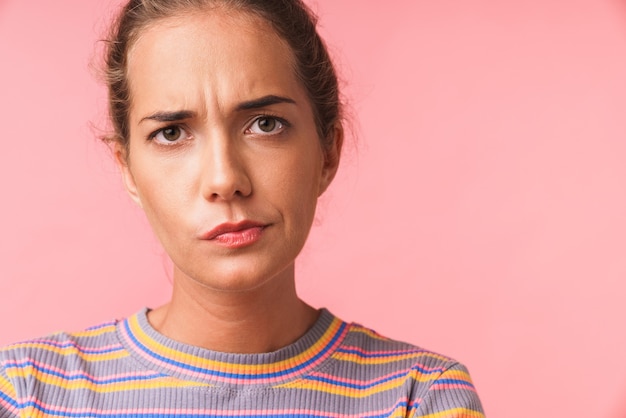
(185, 134)
(284, 125)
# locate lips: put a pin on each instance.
(235, 235)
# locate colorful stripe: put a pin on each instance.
(126, 369)
(399, 409)
(228, 372)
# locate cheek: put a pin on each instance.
(162, 190)
(302, 179)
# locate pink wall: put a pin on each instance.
(482, 213)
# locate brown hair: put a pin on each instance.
(292, 20)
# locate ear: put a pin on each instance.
(121, 159)
(331, 158)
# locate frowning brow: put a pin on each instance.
(170, 116)
(263, 102)
(179, 115)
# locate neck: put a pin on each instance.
(253, 321)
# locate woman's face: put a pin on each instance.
(224, 156)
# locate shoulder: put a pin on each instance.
(433, 383)
(55, 360)
(363, 344)
(60, 351)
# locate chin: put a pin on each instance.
(235, 276)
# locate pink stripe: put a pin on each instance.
(79, 373)
(445, 386)
(413, 403)
(69, 344)
(357, 382)
(172, 411)
(420, 365)
(104, 325)
(8, 406)
(393, 353)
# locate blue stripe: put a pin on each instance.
(8, 399)
(455, 382)
(399, 404)
(422, 370)
(236, 375)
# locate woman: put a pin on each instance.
(227, 128)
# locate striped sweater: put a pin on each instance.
(127, 369)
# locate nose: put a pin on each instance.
(224, 173)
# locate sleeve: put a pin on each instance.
(451, 395)
(8, 396)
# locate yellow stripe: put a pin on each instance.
(455, 413)
(7, 388)
(86, 333)
(399, 412)
(95, 332)
(31, 412)
(355, 358)
(231, 367)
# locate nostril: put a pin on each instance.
(236, 184)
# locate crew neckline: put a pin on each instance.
(169, 357)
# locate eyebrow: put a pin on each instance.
(170, 116)
(179, 115)
(263, 102)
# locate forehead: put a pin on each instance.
(218, 57)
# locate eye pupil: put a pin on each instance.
(171, 133)
(267, 124)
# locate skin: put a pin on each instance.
(226, 163)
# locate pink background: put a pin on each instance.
(481, 213)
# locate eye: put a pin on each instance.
(170, 134)
(267, 125)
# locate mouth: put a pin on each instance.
(235, 235)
